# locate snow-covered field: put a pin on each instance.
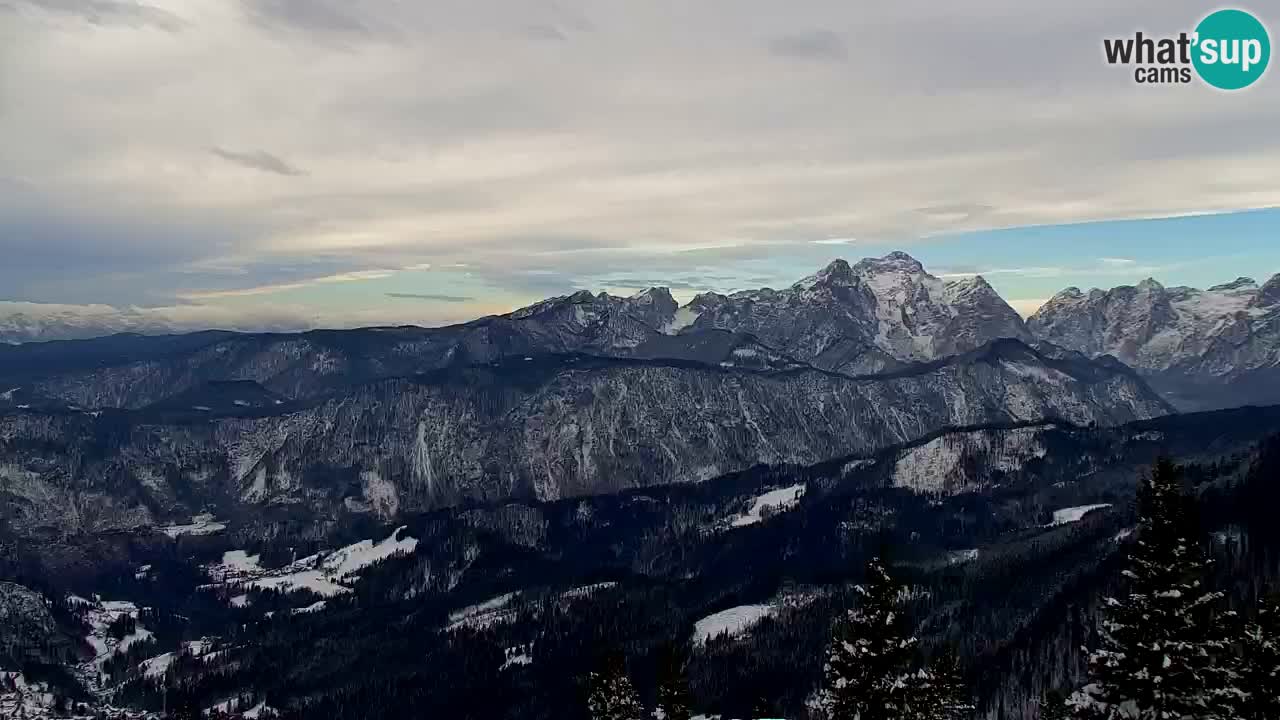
(734, 621)
(485, 614)
(1075, 514)
(775, 500)
(100, 615)
(324, 574)
(157, 666)
(200, 525)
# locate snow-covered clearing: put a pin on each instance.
(157, 666)
(485, 614)
(1075, 514)
(734, 621)
(204, 524)
(100, 615)
(324, 574)
(775, 500)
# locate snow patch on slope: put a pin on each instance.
(326, 575)
(774, 500)
(732, 622)
(204, 524)
(484, 614)
(683, 318)
(1075, 514)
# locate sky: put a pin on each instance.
(298, 163)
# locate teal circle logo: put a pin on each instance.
(1232, 49)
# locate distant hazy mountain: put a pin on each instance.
(1203, 348)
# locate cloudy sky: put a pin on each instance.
(288, 163)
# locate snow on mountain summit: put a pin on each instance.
(868, 316)
(1150, 326)
(1183, 335)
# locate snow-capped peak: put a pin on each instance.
(1068, 293)
(840, 273)
(895, 262)
(652, 296)
(837, 272)
(969, 286)
(1240, 283)
(867, 316)
(1214, 333)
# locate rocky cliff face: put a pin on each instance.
(868, 317)
(547, 427)
(1202, 348)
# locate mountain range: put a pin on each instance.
(544, 428)
(591, 393)
(1201, 349)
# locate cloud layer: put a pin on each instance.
(163, 152)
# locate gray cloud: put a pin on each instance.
(642, 283)
(430, 296)
(106, 12)
(964, 211)
(677, 148)
(540, 31)
(258, 160)
(325, 16)
(815, 45)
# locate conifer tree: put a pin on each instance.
(868, 666)
(611, 695)
(1164, 653)
(673, 688)
(1260, 670)
(946, 695)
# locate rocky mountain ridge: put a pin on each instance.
(1202, 348)
(875, 315)
(545, 427)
